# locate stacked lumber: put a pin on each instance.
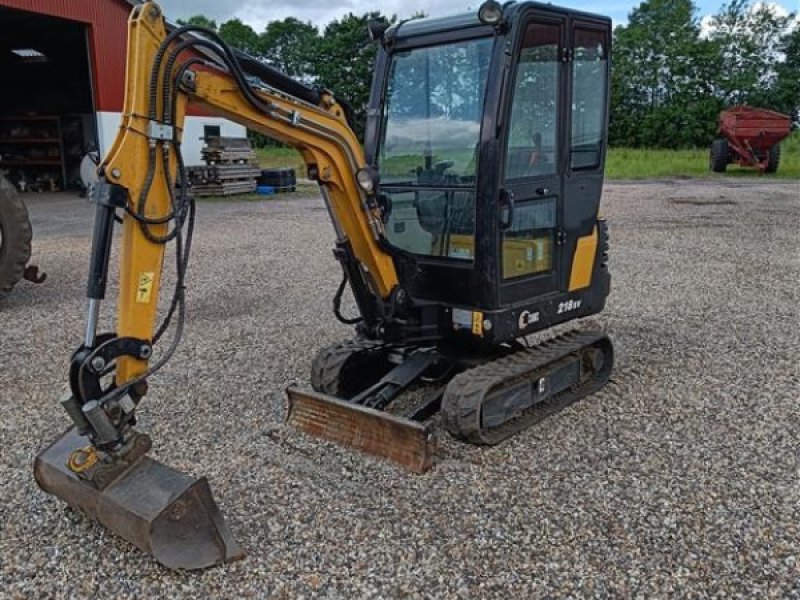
(227, 150)
(230, 168)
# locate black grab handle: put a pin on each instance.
(507, 200)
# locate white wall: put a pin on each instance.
(108, 126)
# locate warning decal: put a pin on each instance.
(144, 287)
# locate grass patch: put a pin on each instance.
(280, 158)
(644, 163)
(622, 163)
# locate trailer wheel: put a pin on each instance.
(718, 161)
(15, 237)
(773, 158)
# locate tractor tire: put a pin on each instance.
(773, 159)
(15, 237)
(718, 161)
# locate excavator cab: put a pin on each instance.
(466, 221)
(489, 140)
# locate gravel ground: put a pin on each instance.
(679, 479)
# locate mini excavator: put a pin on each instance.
(466, 222)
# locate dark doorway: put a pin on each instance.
(47, 119)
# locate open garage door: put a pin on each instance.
(47, 119)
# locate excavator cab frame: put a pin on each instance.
(466, 222)
(532, 254)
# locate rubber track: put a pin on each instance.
(326, 368)
(466, 392)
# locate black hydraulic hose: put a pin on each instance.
(139, 215)
(181, 254)
(337, 304)
(175, 33)
(215, 43)
(169, 107)
(277, 79)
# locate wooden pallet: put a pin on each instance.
(225, 188)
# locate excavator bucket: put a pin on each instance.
(164, 512)
(408, 443)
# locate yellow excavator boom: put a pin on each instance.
(320, 133)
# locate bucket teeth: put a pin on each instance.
(408, 443)
(164, 512)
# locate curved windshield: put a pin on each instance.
(428, 154)
(433, 111)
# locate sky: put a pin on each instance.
(257, 13)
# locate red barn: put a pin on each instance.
(63, 69)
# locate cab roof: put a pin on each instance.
(468, 20)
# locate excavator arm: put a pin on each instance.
(143, 177)
(148, 144)
(143, 185)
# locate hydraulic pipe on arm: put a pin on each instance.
(143, 179)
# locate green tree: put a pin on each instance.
(662, 81)
(240, 36)
(344, 63)
(787, 84)
(749, 41)
(200, 21)
(291, 45)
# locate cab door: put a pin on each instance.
(587, 86)
(531, 195)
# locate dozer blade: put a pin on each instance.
(408, 443)
(164, 512)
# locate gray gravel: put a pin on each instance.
(680, 479)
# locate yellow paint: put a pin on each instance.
(82, 459)
(126, 165)
(523, 256)
(477, 322)
(583, 262)
(144, 287)
(460, 245)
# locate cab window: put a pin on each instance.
(533, 132)
(589, 72)
(428, 153)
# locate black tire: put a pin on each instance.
(773, 159)
(15, 237)
(718, 161)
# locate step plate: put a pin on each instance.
(408, 443)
